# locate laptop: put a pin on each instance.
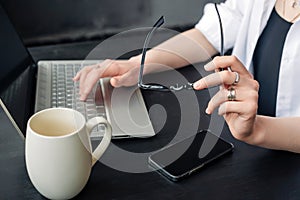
(123, 107)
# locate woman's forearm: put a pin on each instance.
(277, 133)
(183, 49)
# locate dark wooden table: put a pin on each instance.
(248, 173)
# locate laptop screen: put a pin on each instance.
(14, 56)
(16, 75)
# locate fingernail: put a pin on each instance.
(208, 111)
(198, 84)
(115, 82)
(82, 97)
(209, 66)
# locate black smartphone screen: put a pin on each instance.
(183, 158)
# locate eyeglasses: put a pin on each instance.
(176, 87)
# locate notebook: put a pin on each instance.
(123, 107)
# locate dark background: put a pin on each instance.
(42, 22)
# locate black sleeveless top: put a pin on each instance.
(266, 62)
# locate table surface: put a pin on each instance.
(248, 173)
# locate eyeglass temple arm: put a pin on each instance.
(221, 31)
(157, 24)
(222, 34)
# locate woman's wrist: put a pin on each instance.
(258, 132)
(135, 59)
(151, 66)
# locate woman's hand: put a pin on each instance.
(239, 106)
(122, 73)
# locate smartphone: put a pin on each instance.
(181, 159)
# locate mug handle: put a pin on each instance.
(106, 137)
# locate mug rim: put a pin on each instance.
(60, 136)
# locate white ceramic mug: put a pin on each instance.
(58, 151)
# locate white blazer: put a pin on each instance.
(243, 22)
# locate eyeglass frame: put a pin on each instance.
(177, 87)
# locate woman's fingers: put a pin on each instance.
(226, 77)
(82, 71)
(226, 61)
(127, 79)
(85, 70)
(218, 78)
(88, 77)
(238, 95)
(245, 109)
(76, 77)
(88, 82)
(123, 73)
(241, 95)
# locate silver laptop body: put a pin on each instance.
(123, 107)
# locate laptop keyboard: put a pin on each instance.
(65, 93)
(55, 88)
